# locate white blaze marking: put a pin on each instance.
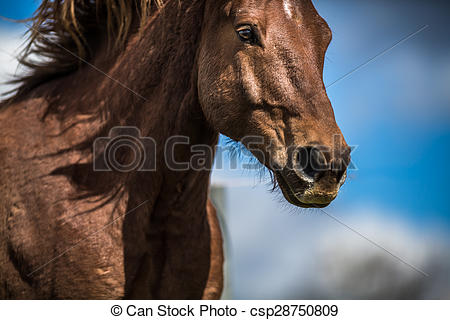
(287, 8)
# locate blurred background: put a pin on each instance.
(387, 235)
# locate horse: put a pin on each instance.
(74, 227)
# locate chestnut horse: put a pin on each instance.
(184, 68)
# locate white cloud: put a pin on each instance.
(10, 42)
(285, 253)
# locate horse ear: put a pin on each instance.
(227, 8)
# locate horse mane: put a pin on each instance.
(62, 34)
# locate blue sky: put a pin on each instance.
(18, 9)
(397, 108)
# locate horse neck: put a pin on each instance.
(156, 75)
(151, 85)
(160, 65)
(147, 83)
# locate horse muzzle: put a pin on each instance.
(310, 180)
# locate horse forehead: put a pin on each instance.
(286, 6)
(288, 9)
(295, 10)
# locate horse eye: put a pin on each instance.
(246, 34)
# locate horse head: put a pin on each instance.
(260, 81)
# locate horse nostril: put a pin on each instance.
(311, 161)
